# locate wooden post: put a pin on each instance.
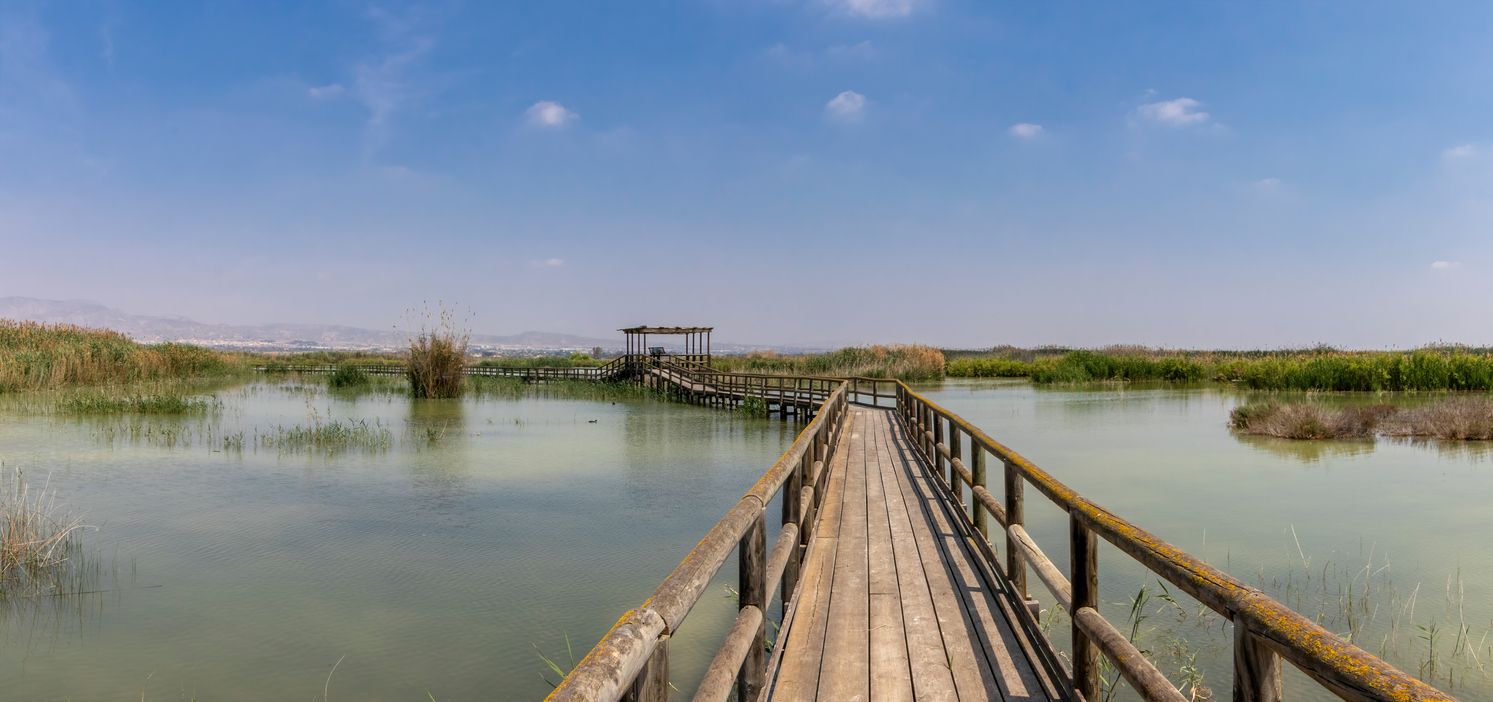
(937, 439)
(652, 683)
(752, 590)
(1085, 581)
(1256, 667)
(791, 508)
(1015, 514)
(977, 475)
(956, 450)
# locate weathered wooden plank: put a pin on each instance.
(799, 676)
(973, 677)
(891, 673)
(844, 674)
(932, 678)
(997, 641)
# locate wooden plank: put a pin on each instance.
(891, 672)
(929, 664)
(799, 677)
(844, 673)
(973, 678)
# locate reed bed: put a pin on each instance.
(1452, 419)
(49, 356)
(904, 362)
(37, 536)
(328, 437)
(135, 403)
(1429, 369)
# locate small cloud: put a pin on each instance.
(1026, 131)
(876, 9)
(850, 52)
(1267, 184)
(547, 263)
(549, 114)
(1459, 152)
(808, 58)
(324, 92)
(1181, 112)
(848, 105)
(1445, 265)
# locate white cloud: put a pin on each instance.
(547, 263)
(1445, 265)
(847, 105)
(1459, 152)
(1181, 112)
(385, 83)
(808, 58)
(1268, 184)
(323, 92)
(1026, 130)
(549, 114)
(876, 9)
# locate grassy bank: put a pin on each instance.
(1461, 369)
(53, 356)
(1452, 418)
(904, 362)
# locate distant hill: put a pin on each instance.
(266, 337)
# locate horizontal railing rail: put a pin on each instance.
(1265, 631)
(632, 659)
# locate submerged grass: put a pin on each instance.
(132, 403)
(38, 538)
(1453, 419)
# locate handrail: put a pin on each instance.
(1265, 631)
(632, 658)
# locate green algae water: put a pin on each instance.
(440, 562)
(438, 549)
(1384, 542)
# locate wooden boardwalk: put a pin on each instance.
(894, 603)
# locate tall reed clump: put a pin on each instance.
(36, 535)
(1452, 419)
(46, 356)
(438, 359)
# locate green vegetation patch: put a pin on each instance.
(49, 356)
(1452, 418)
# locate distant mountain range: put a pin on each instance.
(273, 337)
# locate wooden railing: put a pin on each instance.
(1265, 631)
(632, 659)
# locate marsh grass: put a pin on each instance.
(328, 437)
(1323, 368)
(48, 356)
(347, 377)
(904, 362)
(116, 403)
(39, 540)
(1451, 419)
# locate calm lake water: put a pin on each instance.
(490, 529)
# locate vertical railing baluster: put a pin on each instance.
(652, 683)
(1257, 668)
(956, 483)
(938, 438)
(1085, 581)
(791, 508)
(1015, 514)
(752, 591)
(977, 476)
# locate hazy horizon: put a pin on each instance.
(819, 173)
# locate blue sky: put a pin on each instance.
(819, 171)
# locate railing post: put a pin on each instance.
(652, 683)
(1015, 514)
(956, 483)
(977, 476)
(1256, 667)
(1085, 581)
(752, 591)
(937, 439)
(791, 508)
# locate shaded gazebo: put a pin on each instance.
(696, 343)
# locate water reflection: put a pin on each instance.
(1307, 451)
